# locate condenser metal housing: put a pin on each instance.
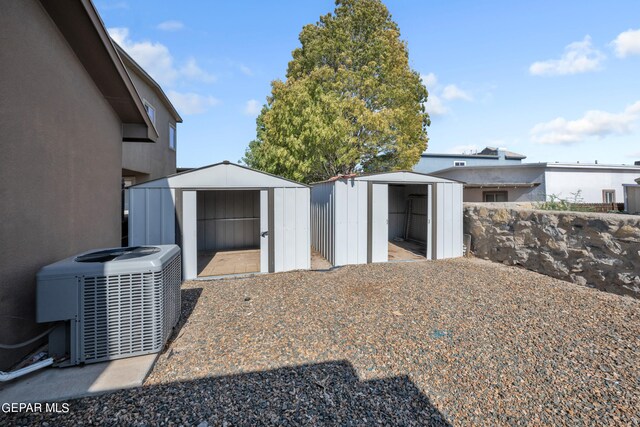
(111, 303)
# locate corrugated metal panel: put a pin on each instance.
(339, 217)
(151, 216)
(380, 223)
(322, 220)
(228, 219)
(303, 224)
(291, 229)
(449, 220)
(189, 234)
(264, 227)
(456, 208)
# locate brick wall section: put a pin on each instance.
(592, 249)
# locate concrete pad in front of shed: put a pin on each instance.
(54, 384)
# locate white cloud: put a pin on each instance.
(435, 105)
(191, 103)
(193, 71)
(627, 43)
(245, 70)
(463, 149)
(451, 92)
(594, 123)
(170, 26)
(252, 108)
(429, 80)
(156, 59)
(578, 57)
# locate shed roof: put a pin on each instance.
(219, 176)
(395, 177)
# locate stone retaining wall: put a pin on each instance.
(592, 249)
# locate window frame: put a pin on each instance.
(175, 137)
(147, 105)
(604, 196)
(494, 193)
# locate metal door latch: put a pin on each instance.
(264, 234)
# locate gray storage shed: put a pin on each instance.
(383, 217)
(632, 197)
(227, 218)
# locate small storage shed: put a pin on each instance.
(386, 217)
(227, 218)
(632, 198)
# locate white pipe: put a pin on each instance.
(8, 376)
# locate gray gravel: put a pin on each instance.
(459, 342)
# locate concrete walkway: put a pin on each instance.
(53, 384)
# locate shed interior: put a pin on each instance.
(228, 232)
(408, 221)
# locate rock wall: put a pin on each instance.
(592, 249)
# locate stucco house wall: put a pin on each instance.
(590, 182)
(60, 166)
(552, 179)
(503, 175)
(146, 161)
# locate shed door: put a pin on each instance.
(379, 216)
(264, 231)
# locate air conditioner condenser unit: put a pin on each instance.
(111, 303)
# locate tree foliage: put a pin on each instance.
(350, 101)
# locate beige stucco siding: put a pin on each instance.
(155, 160)
(60, 164)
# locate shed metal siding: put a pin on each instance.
(632, 198)
(339, 216)
(448, 220)
(291, 229)
(322, 220)
(380, 223)
(153, 218)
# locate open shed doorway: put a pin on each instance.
(228, 232)
(408, 222)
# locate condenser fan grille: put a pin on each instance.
(129, 314)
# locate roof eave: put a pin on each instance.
(80, 24)
(127, 59)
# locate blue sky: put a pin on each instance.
(554, 80)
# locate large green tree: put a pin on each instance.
(350, 102)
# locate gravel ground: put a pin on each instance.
(457, 342)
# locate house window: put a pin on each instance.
(172, 137)
(495, 196)
(459, 163)
(609, 196)
(151, 112)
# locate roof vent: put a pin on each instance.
(226, 162)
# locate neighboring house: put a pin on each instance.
(144, 162)
(490, 156)
(66, 106)
(538, 181)
(632, 196)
